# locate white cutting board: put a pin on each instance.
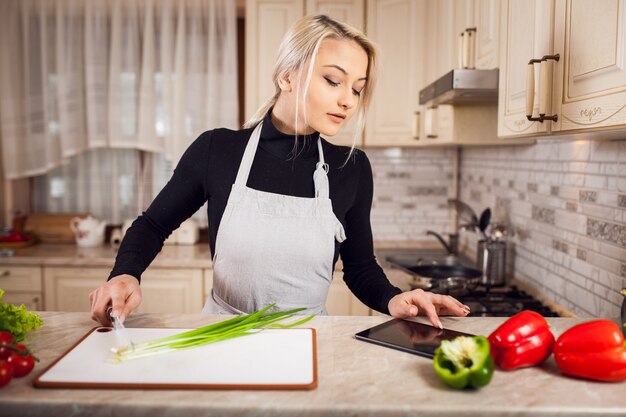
(270, 359)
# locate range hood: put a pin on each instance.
(462, 86)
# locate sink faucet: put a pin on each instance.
(452, 247)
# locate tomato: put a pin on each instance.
(6, 372)
(6, 338)
(22, 364)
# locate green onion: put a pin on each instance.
(243, 325)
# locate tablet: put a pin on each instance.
(408, 336)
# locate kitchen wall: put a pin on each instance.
(411, 189)
(566, 201)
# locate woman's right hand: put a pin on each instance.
(122, 293)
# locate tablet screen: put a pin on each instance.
(408, 336)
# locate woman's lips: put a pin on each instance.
(337, 117)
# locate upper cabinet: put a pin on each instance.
(397, 27)
(564, 59)
(267, 21)
(526, 34)
(486, 15)
(590, 81)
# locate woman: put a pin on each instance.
(283, 203)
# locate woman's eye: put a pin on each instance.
(331, 82)
(356, 93)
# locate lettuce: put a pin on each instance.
(17, 320)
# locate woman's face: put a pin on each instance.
(339, 75)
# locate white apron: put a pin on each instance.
(273, 248)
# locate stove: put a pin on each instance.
(501, 302)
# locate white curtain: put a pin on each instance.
(78, 75)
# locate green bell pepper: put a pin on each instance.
(464, 362)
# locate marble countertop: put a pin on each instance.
(171, 256)
(355, 379)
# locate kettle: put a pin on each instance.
(88, 231)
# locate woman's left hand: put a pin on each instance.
(422, 303)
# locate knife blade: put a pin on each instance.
(120, 331)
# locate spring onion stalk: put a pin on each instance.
(243, 325)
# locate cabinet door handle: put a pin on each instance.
(545, 74)
(530, 88)
(416, 126)
(5, 274)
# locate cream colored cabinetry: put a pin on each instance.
(590, 80)
(526, 34)
(585, 89)
(341, 301)
(22, 285)
(398, 29)
(487, 23)
(163, 290)
(266, 23)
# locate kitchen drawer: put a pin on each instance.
(163, 290)
(341, 301)
(20, 278)
(32, 300)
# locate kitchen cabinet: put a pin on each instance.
(590, 80)
(585, 89)
(266, 23)
(163, 290)
(341, 301)
(527, 28)
(398, 28)
(22, 285)
(487, 22)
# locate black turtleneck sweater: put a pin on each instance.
(207, 171)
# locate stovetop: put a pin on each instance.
(502, 302)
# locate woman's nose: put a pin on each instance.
(347, 99)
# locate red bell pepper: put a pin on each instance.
(593, 350)
(523, 340)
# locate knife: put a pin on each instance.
(120, 330)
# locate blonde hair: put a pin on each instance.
(302, 43)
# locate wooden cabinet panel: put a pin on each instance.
(22, 285)
(20, 278)
(266, 23)
(163, 290)
(32, 300)
(527, 28)
(341, 301)
(487, 21)
(397, 27)
(347, 11)
(590, 81)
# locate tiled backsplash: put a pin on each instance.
(566, 201)
(411, 189)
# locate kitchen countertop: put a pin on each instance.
(171, 256)
(355, 378)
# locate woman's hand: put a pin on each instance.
(421, 303)
(122, 293)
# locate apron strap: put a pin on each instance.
(320, 177)
(248, 157)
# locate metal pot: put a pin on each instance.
(443, 278)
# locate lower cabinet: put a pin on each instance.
(22, 285)
(163, 290)
(341, 301)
